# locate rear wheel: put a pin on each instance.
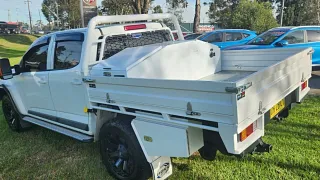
(11, 115)
(121, 153)
(208, 152)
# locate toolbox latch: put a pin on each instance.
(190, 112)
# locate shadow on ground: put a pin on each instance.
(17, 38)
(10, 53)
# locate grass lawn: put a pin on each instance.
(41, 154)
(14, 46)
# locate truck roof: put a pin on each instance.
(231, 30)
(149, 26)
(111, 29)
(288, 28)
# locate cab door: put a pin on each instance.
(68, 92)
(33, 82)
(296, 39)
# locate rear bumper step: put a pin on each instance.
(59, 129)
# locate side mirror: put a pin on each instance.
(259, 39)
(17, 69)
(5, 69)
(282, 43)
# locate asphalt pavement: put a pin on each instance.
(314, 83)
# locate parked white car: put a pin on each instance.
(146, 97)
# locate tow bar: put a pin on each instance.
(262, 147)
(257, 148)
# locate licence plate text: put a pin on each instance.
(277, 108)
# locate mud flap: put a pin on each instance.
(161, 168)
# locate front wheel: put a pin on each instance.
(121, 152)
(10, 114)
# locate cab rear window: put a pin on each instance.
(117, 43)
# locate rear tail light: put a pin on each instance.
(135, 27)
(304, 85)
(248, 131)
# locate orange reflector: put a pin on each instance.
(135, 27)
(247, 131)
(304, 85)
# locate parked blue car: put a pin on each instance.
(287, 37)
(228, 37)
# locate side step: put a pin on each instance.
(59, 129)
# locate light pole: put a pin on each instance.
(40, 20)
(58, 20)
(17, 10)
(28, 2)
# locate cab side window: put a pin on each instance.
(214, 37)
(313, 35)
(245, 35)
(295, 37)
(36, 59)
(67, 54)
(233, 36)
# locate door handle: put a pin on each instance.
(76, 81)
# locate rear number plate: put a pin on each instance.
(277, 108)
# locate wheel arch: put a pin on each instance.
(5, 91)
(122, 123)
(2, 93)
(103, 117)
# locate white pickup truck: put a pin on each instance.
(146, 97)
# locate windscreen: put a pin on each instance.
(268, 37)
(117, 43)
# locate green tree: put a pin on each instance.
(253, 15)
(246, 14)
(116, 7)
(68, 12)
(177, 7)
(300, 12)
(46, 4)
(157, 9)
(221, 12)
(121, 7)
(297, 12)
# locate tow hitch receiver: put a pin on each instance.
(262, 147)
(257, 147)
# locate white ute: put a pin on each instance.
(146, 97)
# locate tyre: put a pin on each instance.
(10, 114)
(208, 152)
(121, 152)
